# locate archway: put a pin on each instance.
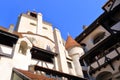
(104, 76)
(23, 47)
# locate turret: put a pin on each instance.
(75, 52)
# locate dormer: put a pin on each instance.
(110, 5)
(107, 7)
(7, 42)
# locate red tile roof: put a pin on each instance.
(34, 76)
(70, 42)
(14, 32)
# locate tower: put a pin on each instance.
(75, 52)
(62, 65)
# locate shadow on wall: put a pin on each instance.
(48, 48)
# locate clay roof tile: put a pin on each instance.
(14, 32)
(34, 76)
(70, 42)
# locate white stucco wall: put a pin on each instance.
(25, 24)
(41, 41)
(76, 50)
(61, 58)
(89, 39)
(22, 61)
(6, 63)
(75, 53)
(47, 30)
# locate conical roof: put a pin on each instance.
(70, 42)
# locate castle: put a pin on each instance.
(36, 51)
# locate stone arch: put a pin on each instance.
(105, 75)
(23, 47)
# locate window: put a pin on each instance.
(6, 51)
(33, 15)
(45, 28)
(69, 64)
(98, 37)
(33, 24)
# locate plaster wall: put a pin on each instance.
(89, 39)
(27, 24)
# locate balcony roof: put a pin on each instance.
(7, 38)
(31, 76)
(58, 73)
(42, 54)
(101, 47)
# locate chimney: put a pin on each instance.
(11, 28)
(84, 27)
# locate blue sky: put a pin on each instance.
(67, 15)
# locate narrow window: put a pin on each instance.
(33, 15)
(33, 24)
(69, 64)
(45, 28)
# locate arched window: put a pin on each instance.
(104, 76)
(98, 37)
(23, 47)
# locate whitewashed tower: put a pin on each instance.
(75, 52)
